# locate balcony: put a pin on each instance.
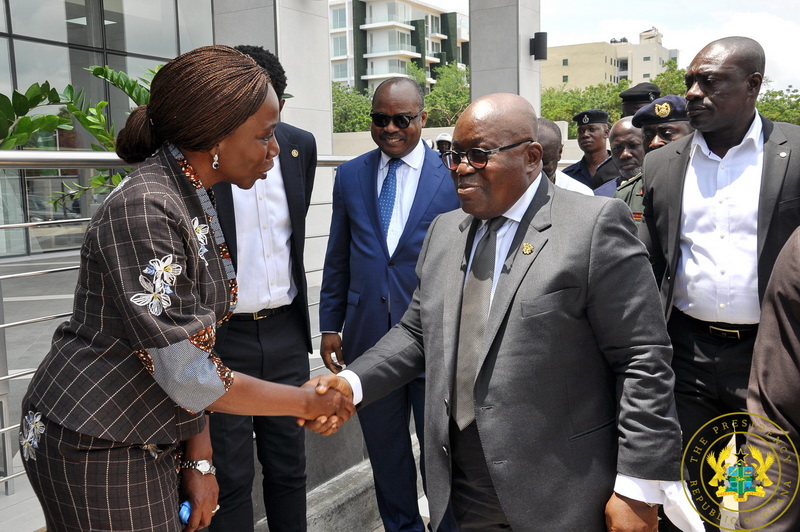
(403, 50)
(386, 21)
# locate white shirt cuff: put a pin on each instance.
(355, 384)
(671, 494)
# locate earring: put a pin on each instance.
(215, 164)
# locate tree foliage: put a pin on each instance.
(351, 109)
(671, 80)
(780, 105)
(560, 103)
(449, 97)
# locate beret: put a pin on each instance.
(667, 109)
(592, 116)
(643, 92)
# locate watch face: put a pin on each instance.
(204, 466)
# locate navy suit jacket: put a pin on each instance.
(298, 158)
(364, 289)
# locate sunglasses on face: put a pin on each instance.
(401, 121)
(476, 157)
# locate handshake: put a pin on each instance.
(329, 407)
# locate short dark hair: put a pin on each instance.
(552, 126)
(196, 100)
(269, 62)
(401, 80)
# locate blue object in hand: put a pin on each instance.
(184, 511)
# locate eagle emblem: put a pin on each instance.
(663, 109)
(741, 479)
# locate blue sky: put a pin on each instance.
(687, 25)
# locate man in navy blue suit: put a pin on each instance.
(383, 203)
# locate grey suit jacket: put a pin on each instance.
(664, 172)
(575, 385)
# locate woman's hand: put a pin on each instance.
(202, 492)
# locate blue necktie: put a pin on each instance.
(386, 197)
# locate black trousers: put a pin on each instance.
(711, 377)
(272, 349)
(473, 497)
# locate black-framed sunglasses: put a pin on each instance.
(476, 157)
(401, 121)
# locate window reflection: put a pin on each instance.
(135, 68)
(72, 21)
(195, 24)
(142, 27)
(5, 69)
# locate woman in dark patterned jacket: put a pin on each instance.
(113, 421)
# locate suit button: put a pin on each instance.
(391, 264)
(383, 300)
(446, 450)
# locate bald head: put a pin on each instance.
(498, 135)
(749, 53)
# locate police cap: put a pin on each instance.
(667, 109)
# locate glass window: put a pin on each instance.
(339, 18)
(646, 58)
(646, 76)
(564, 79)
(3, 26)
(195, 24)
(141, 27)
(59, 65)
(565, 62)
(68, 21)
(339, 45)
(135, 68)
(5, 69)
(340, 71)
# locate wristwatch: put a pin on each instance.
(204, 466)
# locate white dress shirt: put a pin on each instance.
(263, 244)
(668, 493)
(408, 175)
(570, 183)
(717, 277)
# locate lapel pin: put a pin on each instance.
(782, 154)
(527, 249)
(295, 153)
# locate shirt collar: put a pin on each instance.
(413, 159)
(752, 138)
(517, 211)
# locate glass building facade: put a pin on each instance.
(56, 41)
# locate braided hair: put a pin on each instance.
(196, 100)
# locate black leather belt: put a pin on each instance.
(261, 314)
(733, 332)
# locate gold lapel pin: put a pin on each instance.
(295, 153)
(527, 249)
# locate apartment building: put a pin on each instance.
(583, 65)
(372, 40)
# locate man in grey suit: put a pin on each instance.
(719, 205)
(556, 413)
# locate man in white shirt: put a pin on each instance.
(268, 335)
(719, 205)
(552, 147)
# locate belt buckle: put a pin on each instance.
(257, 316)
(729, 334)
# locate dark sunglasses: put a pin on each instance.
(476, 157)
(401, 121)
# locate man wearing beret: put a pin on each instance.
(592, 135)
(661, 121)
(637, 97)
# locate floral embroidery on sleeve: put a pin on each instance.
(201, 231)
(31, 430)
(156, 296)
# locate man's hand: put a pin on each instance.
(327, 388)
(331, 344)
(628, 515)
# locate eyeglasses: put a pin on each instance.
(401, 121)
(476, 157)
